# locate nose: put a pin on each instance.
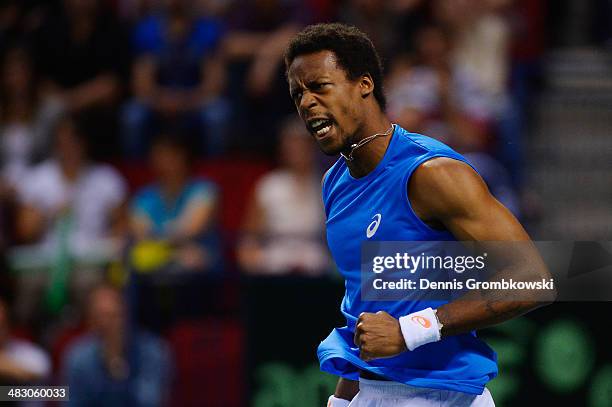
(307, 101)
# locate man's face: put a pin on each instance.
(330, 104)
(107, 312)
(168, 162)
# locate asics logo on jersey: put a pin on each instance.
(373, 227)
(424, 322)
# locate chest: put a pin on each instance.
(373, 211)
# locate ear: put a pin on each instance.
(366, 85)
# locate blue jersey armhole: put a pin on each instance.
(406, 180)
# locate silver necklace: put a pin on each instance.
(364, 141)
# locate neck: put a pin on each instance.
(172, 186)
(301, 172)
(367, 157)
(71, 170)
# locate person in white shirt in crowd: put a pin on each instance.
(25, 119)
(283, 229)
(70, 211)
(21, 362)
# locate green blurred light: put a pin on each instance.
(564, 355)
(600, 393)
(503, 388)
(509, 353)
(280, 385)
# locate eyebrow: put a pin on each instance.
(311, 81)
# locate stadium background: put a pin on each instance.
(529, 92)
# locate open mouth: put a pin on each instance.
(320, 127)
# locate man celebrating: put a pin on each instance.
(392, 185)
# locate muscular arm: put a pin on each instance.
(449, 193)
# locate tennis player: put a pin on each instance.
(392, 185)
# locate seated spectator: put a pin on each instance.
(69, 185)
(176, 214)
(283, 230)
(482, 40)
(21, 362)
(83, 57)
(113, 366)
(259, 32)
(438, 98)
(178, 75)
(25, 122)
(257, 37)
(70, 217)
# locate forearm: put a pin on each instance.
(99, 90)
(11, 371)
(485, 307)
(346, 389)
(195, 221)
(242, 44)
(463, 316)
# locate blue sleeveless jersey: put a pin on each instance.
(460, 363)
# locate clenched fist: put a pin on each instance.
(378, 336)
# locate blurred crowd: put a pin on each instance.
(147, 144)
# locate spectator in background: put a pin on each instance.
(259, 32)
(432, 95)
(112, 365)
(21, 362)
(24, 120)
(390, 24)
(83, 56)
(178, 212)
(70, 185)
(482, 41)
(283, 229)
(253, 48)
(70, 210)
(178, 75)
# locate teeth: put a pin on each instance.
(316, 123)
(323, 130)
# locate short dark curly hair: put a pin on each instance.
(354, 52)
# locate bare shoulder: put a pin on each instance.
(444, 186)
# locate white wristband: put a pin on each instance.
(336, 402)
(420, 327)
